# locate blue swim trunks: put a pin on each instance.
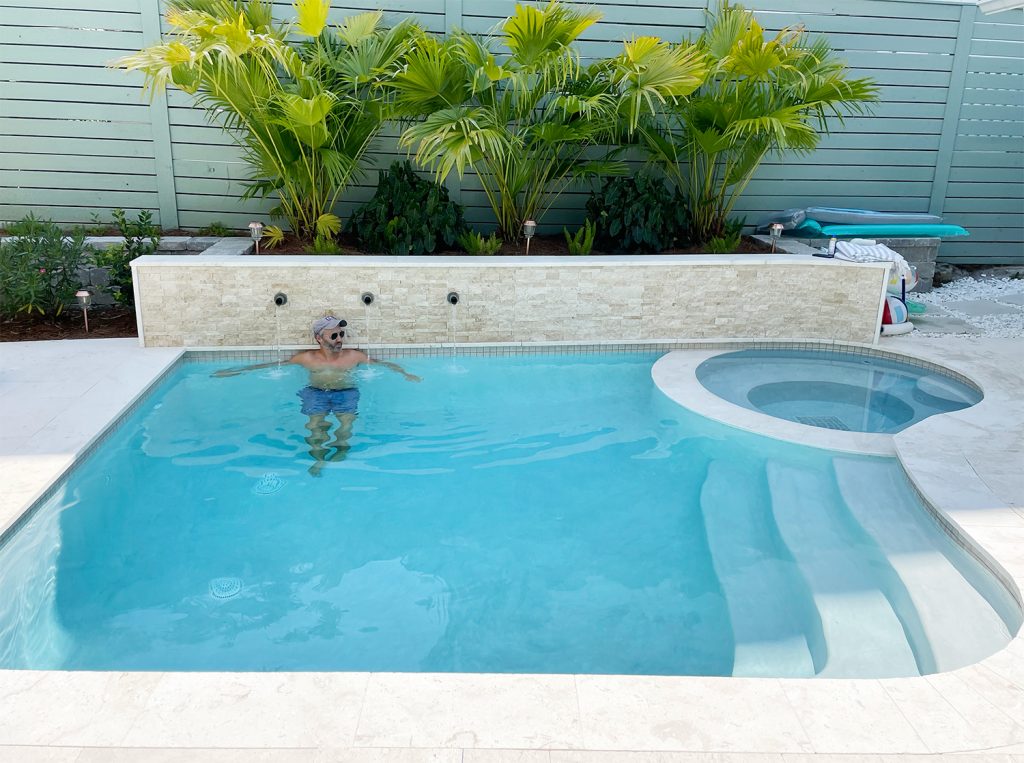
(323, 401)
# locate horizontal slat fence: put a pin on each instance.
(77, 139)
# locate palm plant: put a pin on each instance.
(533, 120)
(761, 95)
(303, 114)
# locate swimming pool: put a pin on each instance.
(834, 390)
(519, 514)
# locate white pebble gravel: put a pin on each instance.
(1003, 325)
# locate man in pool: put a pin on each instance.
(331, 389)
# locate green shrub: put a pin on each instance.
(407, 215)
(729, 241)
(96, 226)
(323, 243)
(141, 236)
(39, 267)
(638, 214)
(474, 243)
(116, 261)
(582, 242)
(216, 228)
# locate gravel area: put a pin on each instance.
(1004, 295)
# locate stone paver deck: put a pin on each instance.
(58, 396)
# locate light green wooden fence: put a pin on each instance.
(77, 139)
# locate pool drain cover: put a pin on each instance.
(225, 588)
(268, 484)
(825, 422)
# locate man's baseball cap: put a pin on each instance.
(320, 325)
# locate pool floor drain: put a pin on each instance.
(225, 588)
(825, 422)
(268, 484)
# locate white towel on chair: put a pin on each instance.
(848, 250)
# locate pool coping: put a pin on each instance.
(980, 707)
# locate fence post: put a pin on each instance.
(951, 117)
(163, 158)
(452, 20)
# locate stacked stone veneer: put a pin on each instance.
(228, 301)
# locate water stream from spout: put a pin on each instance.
(277, 337)
(366, 324)
(367, 372)
(277, 371)
(453, 331)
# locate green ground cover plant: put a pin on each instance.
(216, 228)
(581, 242)
(478, 244)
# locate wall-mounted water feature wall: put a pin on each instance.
(216, 301)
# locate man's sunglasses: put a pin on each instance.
(336, 334)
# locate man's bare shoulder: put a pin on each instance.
(304, 358)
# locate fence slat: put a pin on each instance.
(951, 118)
(161, 131)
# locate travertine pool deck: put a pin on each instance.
(56, 397)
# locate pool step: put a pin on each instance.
(758, 587)
(958, 622)
(863, 635)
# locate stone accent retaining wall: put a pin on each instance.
(210, 301)
(96, 279)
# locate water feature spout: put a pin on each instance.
(280, 299)
(452, 298)
(366, 298)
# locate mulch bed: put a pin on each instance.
(104, 323)
(539, 246)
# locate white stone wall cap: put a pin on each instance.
(640, 260)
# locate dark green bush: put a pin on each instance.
(39, 267)
(407, 215)
(141, 237)
(637, 214)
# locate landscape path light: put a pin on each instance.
(84, 297)
(256, 231)
(529, 229)
(776, 234)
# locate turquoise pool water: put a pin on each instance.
(546, 513)
(834, 390)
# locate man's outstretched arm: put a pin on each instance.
(394, 367)
(242, 369)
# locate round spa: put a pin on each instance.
(834, 390)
